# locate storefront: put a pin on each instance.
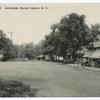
(95, 58)
(92, 58)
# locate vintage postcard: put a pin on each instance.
(49, 50)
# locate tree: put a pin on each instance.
(74, 29)
(38, 49)
(29, 50)
(51, 42)
(2, 34)
(7, 48)
(69, 35)
(95, 30)
(20, 51)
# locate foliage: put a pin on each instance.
(6, 48)
(20, 51)
(32, 51)
(95, 31)
(69, 35)
(66, 37)
(29, 50)
(15, 89)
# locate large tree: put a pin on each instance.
(75, 30)
(51, 42)
(70, 34)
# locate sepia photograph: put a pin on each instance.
(49, 50)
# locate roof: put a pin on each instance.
(89, 53)
(96, 54)
(96, 44)
(40, 56)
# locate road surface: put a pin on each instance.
(53, 79)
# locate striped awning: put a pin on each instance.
(96, 54)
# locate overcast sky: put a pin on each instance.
(33, 25)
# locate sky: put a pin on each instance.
(31, 25)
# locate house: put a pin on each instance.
(47, 58)
(1, 56)
(53, 58)
(92, 55)
(40, 57)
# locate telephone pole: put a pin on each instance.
(11, 35)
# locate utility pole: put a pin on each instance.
(11, 35)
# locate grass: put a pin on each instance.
(15, 89)
(53, 79)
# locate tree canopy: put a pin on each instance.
(69, 35)
(7, 48)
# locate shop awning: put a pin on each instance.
(88, 53)
(96, 54)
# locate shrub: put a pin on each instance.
(15, 89)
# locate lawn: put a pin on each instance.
(53, 79)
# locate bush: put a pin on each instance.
(15, 89)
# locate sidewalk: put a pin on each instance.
(91, 68)
(85, 67)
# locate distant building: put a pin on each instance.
(1, 56)
(40, 57)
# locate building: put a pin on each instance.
(1, 54)
(92, 54)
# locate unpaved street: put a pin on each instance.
(53, 79)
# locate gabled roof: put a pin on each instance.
(95, 44)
